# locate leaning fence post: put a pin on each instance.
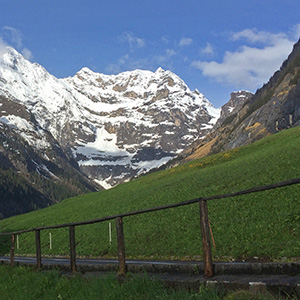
(121, 246)
(12, 250)
(72, 248)
(38, 249)
(207, 257)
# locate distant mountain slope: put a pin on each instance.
(34, 171)
(114, 126)
(274, 107)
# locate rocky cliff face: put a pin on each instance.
(35, 171)
(140, 120)
(274, 107)
(232, 107)
(111, 128)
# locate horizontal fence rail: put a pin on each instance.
(204, 223)
(183, 203)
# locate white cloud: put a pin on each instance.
(249, 67)
(3, 47)
(14, 34)
(13, 37)
(123, 59)
(208, 49)
(165, 39)
(164, 60)
(127, 63)
(27, 54)
(296, 32)
(151, 62)
(118, 67)
(133, 41)
(185, 42)
(254, 36)
(170, 52)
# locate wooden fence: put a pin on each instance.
(204, 224)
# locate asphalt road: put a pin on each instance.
(95, 262)
(229, 275)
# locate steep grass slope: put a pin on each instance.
(264, 225)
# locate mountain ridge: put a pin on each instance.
(109, 128)
(273, 108)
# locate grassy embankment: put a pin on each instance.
(22, 283)
(264, 225)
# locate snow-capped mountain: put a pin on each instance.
(115, 126)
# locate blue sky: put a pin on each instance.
(216, 46)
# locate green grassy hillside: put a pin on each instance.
(264, 225)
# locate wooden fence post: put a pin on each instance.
(38, 249)
(12, 250)
(207, 257)
(121, 246)
(72, 248)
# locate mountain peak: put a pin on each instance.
(86, 70)
(160, 70)
(8, 50)
(114, 126)
(10, 57)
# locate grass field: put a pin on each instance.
(22, 283)
(265, 225)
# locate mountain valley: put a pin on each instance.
(89, 132)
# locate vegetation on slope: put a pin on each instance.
(22, 283)
(29, 180)
(264, 225)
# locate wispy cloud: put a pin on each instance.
(118, 67)
(170, 52)
(249, 66)
(10, 36)
(151, 62)
(185, 42)
(208, 49)
(27, 54)
(3, 47)
(14, 35)
(133, 41)
(296, 31)
(128, 62)
(164, 60)
(254, 36)
(165, 39)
